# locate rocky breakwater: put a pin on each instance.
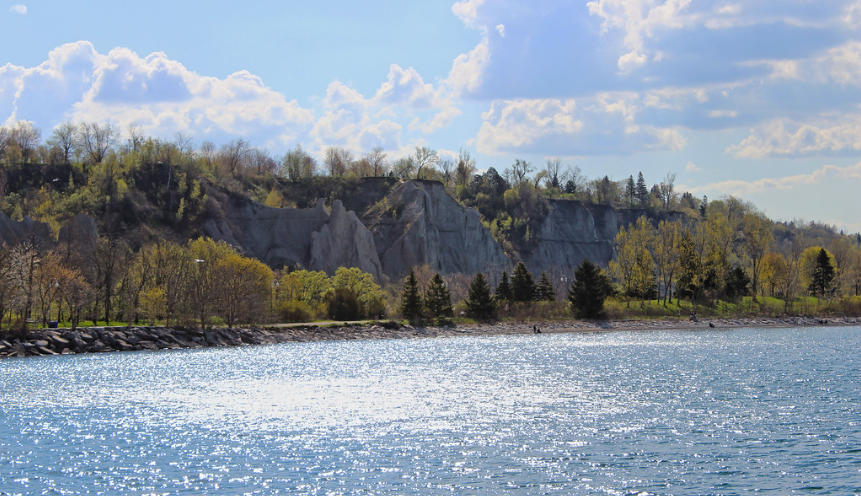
(41, 342)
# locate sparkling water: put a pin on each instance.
(774, 411)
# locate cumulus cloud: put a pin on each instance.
(20, 9)
(154, 92)
(779, 138)
(602, 125)
(788, 183)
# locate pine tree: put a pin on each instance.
(823, 275)
(642, 191)
(545, 290)
(411, 300)
(480, 304)
(522, 284)
(630, 191)
(438, 308)
(588, 291)
(503, 290)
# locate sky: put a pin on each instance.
(758, 99)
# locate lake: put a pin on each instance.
(772, 411)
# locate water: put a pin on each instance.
(774, 411)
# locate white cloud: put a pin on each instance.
(692, 167)
(500, 28)
(467, 10)
(405, 87)
(467, 70)
(788, 183)
(20, 9)
(517, 123)
(723, 114)
(785, 138)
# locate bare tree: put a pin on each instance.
(425, 157)
(554, 172)
(26, 137)
(184, 145)
(63, 137)
(337, 160)
(465, 168)
(520, 170)
(234, 154)
(96, 140)
(667, 189)
(136, 137)
(377, 159)
(447, 167)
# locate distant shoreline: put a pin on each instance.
(41, 342)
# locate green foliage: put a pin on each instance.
(369, 294)
(503, 289)
(588, 291)
(480, 304)
(343, 305)
(411, 300)
(437, 302)
(294, 311)
(523, 287)
(545, 291)
(822, 275)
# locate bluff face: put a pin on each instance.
(314, 238)
(418, 223)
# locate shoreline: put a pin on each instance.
(46, 342)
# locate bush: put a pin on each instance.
(344, 305)
(294, 311)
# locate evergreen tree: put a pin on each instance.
(588, 291)
(411, 300)
(522, 284)
(438, 308)
(630, 191)
(480, 304)
(503, 290)
(545, 291)
(642, 191)
(823, 275)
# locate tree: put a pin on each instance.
(337, 160)
(234, 156)
(63, 137)
(370, 296)
(95, 140)
(465, 169)
(503, 289)
(377, 160)
(242, 288)
(522, 284)
(553, 172)
(343, 305)
(520, 170)
(666, 255)
(634, 266)
(642, 191)
(425, 157)
(588, 291)
(822, 275)
(25, 135)
(545, 291)
(630, 191)
(480, 304)
(667, 189)
(437, 301)
(411, 299)
(758, 239)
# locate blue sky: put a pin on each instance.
(760, 99)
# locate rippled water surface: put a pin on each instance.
(774, 411)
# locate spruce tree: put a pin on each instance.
(642, 191)
(503, 290)
(545, 290)
(480, 304)
(823, 275)
(438, 308)
(411, 300)
(588, 291)
(522, 284)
